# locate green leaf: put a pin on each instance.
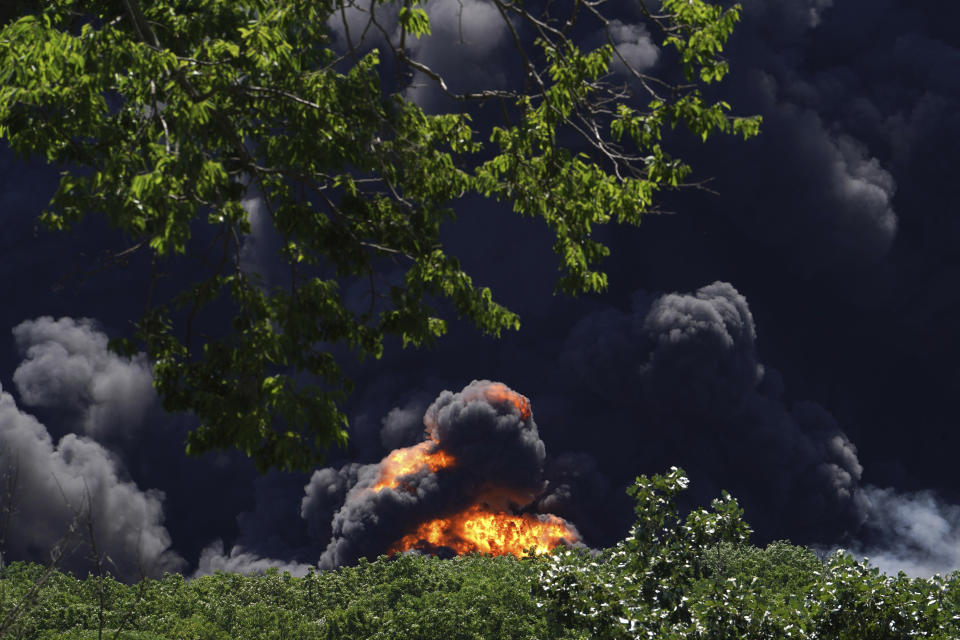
(415, 21)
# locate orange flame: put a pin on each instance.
(499, 392)
(410, 460)
(478, 530)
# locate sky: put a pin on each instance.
(790, 339)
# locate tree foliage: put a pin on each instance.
(167, 115)
(671, 578)
(695, 578)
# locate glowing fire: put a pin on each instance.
(499, 392)
(410, 460)
(479, 530)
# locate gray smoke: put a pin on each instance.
(703, 356)
(467, 46)
(78, 479)
(635, 46)
(403, 426)
(260, 248)
(214, 558)
(67, 366)
(325, 494)
(916, 533)
(468, 49)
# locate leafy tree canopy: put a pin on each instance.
(696, 578)
(671, 578)
(166, 115)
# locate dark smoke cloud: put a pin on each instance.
(491, 440)
(403, 426)
(324, 495)
(703, 357)
(785, 19)
(681, 380)
(67, 366)
(815, 192)
(580, 493)
(499, 461)
(56, 482)
(815, 196)
(274, 527)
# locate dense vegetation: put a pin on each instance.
(671, 578)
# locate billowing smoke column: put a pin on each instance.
(68, 366)
(46, 486)
(679, 379)
(464, 488)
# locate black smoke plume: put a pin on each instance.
(499, 462)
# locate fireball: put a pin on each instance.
(499, 392)
(478, 530)
(411, 460)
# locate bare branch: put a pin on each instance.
(8, 508)
(285, 94)
(486, 94)
(346, 27)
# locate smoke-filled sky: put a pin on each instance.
(791, 340)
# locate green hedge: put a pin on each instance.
(672, 578)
